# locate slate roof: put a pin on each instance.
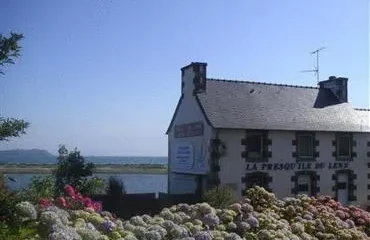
(254, 105)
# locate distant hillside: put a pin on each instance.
(27, 156)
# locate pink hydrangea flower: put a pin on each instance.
(97, 206)
(61, 201)
(87, 202)
(43, 202)
(360, 221)
(341, 214)
(70, 190)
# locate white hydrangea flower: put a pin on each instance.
(140, 232)
(49, 218)
(203, 235)
(137, 221)
(159, 229)
(130, 237)
(243, 226)
(26, 210)
(210, 219)
(64, 233)
(153, 235)
(178, 232)
(88, 234)
(128, 227)
(233, 236)
(167, 214)
(297, 228)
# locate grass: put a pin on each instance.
(100, 168)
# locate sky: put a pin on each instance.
(104, 75)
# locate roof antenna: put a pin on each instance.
(317, 69)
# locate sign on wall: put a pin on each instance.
(296, 166)
(183, 156)
(190, 158)
(189, 130)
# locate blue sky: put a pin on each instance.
(104, 76)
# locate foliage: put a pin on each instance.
(28, 230)
(71, 169)
(115, 187)
(92, 186)
(40, 187)
(9, 49)
(8, 201)
(10, 127)
(220, 196)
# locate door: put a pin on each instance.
(342, 188)
(304, 184)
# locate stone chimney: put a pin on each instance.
(338, 86)
(193, 78)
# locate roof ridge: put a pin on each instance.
(261, 83)
(362, 109)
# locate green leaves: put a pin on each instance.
(220, 196)
(9, 49)
(72, 169)
(10, 127)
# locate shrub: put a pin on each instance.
(8, 201)
(40, 187)
(92, 186)
(115, 187)
(220, 197)
(71, 169)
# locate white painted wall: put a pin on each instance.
(233, 166)
(188, 112)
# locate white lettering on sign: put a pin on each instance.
(184, 156)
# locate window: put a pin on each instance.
(257, 179)
(304, 184)
(305, 145)
(255, 144)
(344, 143)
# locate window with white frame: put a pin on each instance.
(305, 145)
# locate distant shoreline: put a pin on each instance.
(28, 168)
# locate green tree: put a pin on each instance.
(9, 51)
(10, 127)
(116, 187)
(72, 169)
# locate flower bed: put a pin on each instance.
(259, 216)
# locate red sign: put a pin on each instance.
(189, 130)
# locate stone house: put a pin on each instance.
(288, 139)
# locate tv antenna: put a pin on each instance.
(317, 69)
